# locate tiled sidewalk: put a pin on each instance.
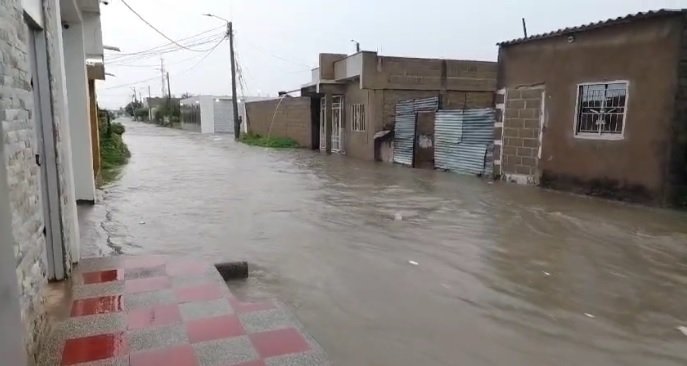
(150, 311)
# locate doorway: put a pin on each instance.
(424, 140)
(337, 124)
(46, 157)
(315, 120)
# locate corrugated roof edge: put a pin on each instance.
(596, 25)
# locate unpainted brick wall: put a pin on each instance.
(428, 74)
(520, 131)
(292, 118)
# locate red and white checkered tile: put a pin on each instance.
(156, 310)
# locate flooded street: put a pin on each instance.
(387, 265)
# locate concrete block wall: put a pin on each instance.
(429, 74)
(520, 134)
(292, 118)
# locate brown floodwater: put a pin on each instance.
(387, 265)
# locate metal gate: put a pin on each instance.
(463, 138)
(405, 126)
(404, 133)
(337, 124)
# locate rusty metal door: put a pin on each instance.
(424, 140)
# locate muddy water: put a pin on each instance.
(505, 275)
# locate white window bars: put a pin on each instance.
(601, 109)
(358, 117)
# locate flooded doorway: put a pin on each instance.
(424, 140)
(337, 124)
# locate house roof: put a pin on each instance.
(600, 24)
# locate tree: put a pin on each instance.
(131, 108)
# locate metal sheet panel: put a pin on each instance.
(430, 104)
(405, 107)
(478, 125)
(404, 139)
(462, 139)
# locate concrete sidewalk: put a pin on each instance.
(157, 310)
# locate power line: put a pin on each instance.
(157, 30)
(158, 52)
(208, 53)
(135, 53)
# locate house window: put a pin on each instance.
(358, 115)
(601, 110)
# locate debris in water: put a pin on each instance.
(682, 329)
(547, 273)
(589, 315)
(414, 263)
(398, 216)
(141, 222)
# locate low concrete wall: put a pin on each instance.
(292, 119)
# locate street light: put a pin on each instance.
(216, 16)
(234, 99)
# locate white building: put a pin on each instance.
(52, 54)
(208, 114)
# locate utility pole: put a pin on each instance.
(234, 97)
(524, 27)
(169, 94)
(150, 111)
(162, 76)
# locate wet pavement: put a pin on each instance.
(386, 265)
(163, 310)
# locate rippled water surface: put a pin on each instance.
(505, 275)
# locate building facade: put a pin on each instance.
(598, 109)
(46, 153)
(355, 96)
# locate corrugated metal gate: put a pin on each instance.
(405, 125)
(404, 133)
(463, 138)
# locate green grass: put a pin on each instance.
(113, 153)
(275, 142)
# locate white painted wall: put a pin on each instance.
(224, 116)
(207, 114)
(34, 8)
(78, 106)
(62, 111)
(93, 34)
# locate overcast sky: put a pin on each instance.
(278, 40)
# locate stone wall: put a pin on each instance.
(520, 134)
(291, 118)
(16, 103)
(23, 174)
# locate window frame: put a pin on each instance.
(600, 135)
(356, 125)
